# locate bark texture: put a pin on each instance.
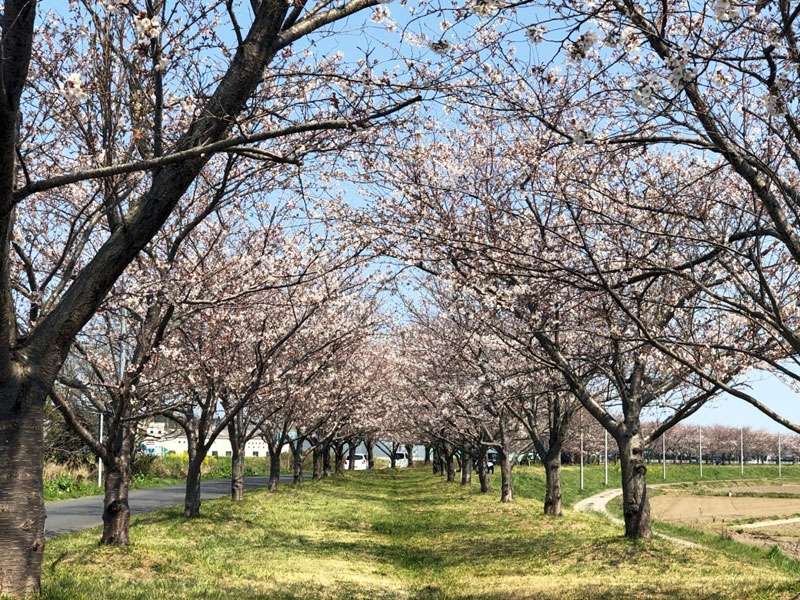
(326, 461)
(370, 454)
(297, 455)
(338, 458)
(483, 474)
(318, 467)
(22, 511)
(274, 471)
(116, 510)
(506, 487)
(237, 472)
(635, 504)
(449, 467)
(466, 468)
(552, 495)
(191, 505)
(351, 454)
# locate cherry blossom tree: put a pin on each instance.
(122, 379)
(707, 86)
(110, 117)
(539, 232)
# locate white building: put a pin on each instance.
(160, 440)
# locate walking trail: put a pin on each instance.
(599, 503)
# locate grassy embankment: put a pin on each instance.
(402, 534)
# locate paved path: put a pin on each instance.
(66, 516)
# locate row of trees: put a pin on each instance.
(161, 252)
(600, 198)
(612, 212)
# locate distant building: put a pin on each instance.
(163, 439)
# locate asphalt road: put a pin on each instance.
(66, 516)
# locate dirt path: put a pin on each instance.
(771, 523)
(599, 502)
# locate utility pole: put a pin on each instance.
(123, 330)
(99, 460)
(605, 460)
(700, 459)
(581, 451)
(779, 455)
(741, 450)
(663, 457)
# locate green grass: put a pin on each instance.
(394, 534)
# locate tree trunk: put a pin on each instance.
(392, 459)
(437, 461)
(410, 454)
(237, 471)
(317, 460)
(370, 454)
(116, 511)
(326, 460)
(274, 470)
(351, 454)
(22, 511)
(427, 456)
(636, 506)
(449, 468)
(552, 496)
(483, 476)
(191, 505)
(338, 450)
(506, 487)
(466, 468)
(297, 455)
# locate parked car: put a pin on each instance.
(359, 463)
(400, 459)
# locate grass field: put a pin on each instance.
(529, 481)
(395, 534)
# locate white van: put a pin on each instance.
(400, 459)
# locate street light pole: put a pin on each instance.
(663, 457)
(779, 455)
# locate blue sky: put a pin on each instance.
(727, 410)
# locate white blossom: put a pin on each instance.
(72, 88)
(582, 135)
(536, 33)
(583, 45)
(380, 14)
(776, 107)
(724, 10)
(483, 8)
(146, 28)
(680, 72)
